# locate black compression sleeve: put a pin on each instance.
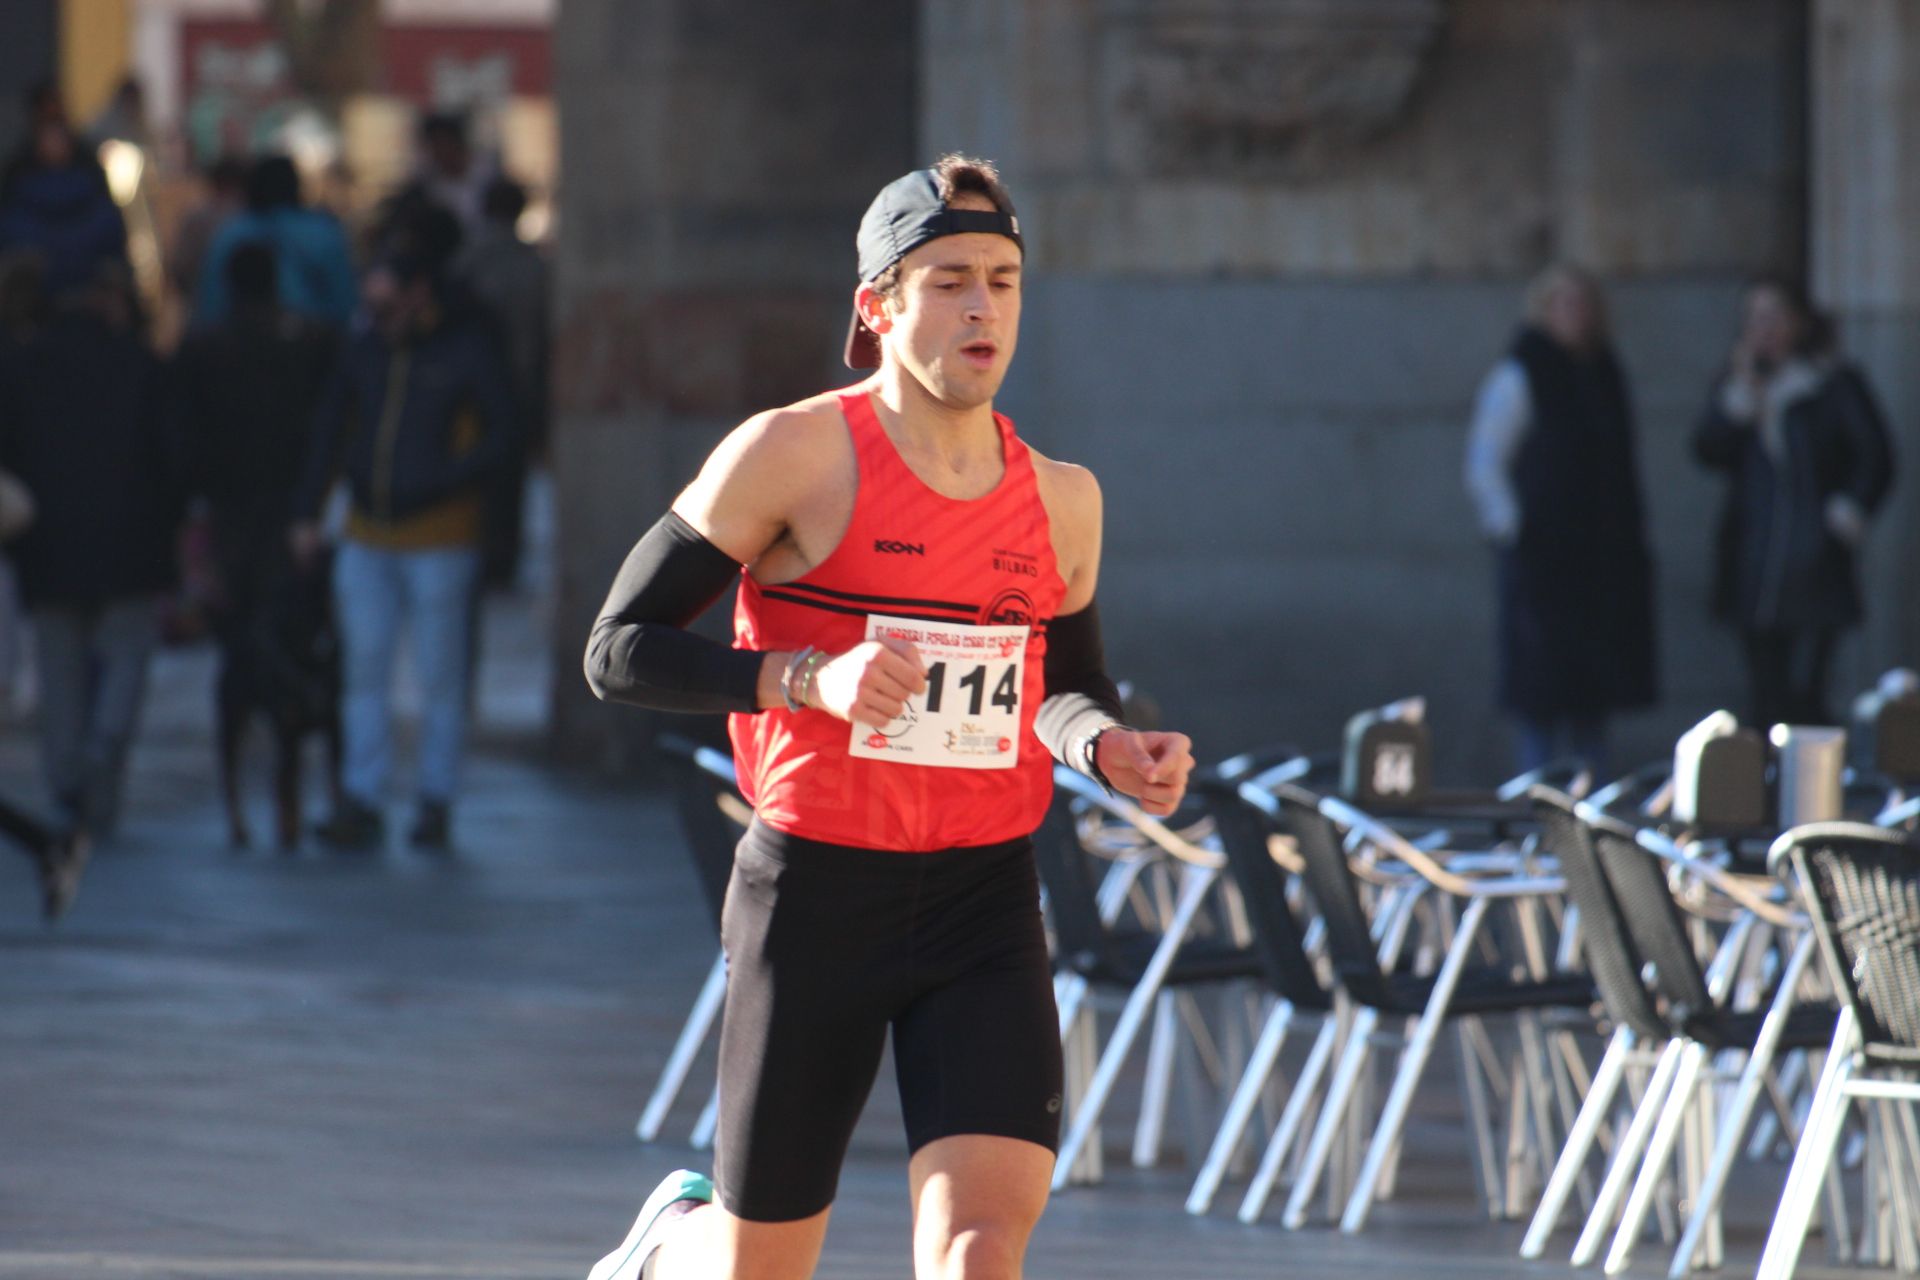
(1081, 697)
(640, 650)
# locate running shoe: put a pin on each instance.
(683, 1188)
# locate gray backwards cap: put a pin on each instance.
(906, 214)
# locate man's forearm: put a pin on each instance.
(640, 651)
(1082, 699)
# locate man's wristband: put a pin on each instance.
(790, 687)
(796, 681)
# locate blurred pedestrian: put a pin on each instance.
(54, 199)
(83, 425)
(1551, 469)
(450, 173)
(22, 307)
(314, 260)
(419, 416)
(58, 857)
(508, 277)
(1802, 442)
(247, 394)
(224, 195)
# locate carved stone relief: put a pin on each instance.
(1256, 88)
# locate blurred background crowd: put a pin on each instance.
(272, 380)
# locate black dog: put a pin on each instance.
(280, 660)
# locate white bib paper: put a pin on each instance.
(969, 717)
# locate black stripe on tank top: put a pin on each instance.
(853, 611)
(856, 598)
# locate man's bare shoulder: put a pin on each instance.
(767, 471)
(799, 435)
(1070, 490)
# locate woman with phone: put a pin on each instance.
(1804, 447)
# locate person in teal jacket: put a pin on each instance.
(316, 275)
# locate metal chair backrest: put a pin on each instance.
(1277, 939)
(1330, 880)
(1654, 921)
(1606, 941)
(700, 776)
(1862, 889)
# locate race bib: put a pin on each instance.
(969, 717)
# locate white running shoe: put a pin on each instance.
(625, 1262)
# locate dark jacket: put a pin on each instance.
(83, 423)
(412, 424)
(246, 393)
(67, 215)
(1779, 562)
(1576, 586)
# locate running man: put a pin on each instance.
(915, 637)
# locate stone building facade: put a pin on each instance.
(1274, 245)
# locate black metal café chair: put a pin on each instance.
(1698, 1007)
(1245, 818)
(712, 816)
(1124, 958)
(1370, 976)
(1675, 1039)
(1861, 887)
(1608, 951)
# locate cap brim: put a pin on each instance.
(863, 345)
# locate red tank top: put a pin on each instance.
(907, 552)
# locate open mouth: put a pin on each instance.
(979, 353)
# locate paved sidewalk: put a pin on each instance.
(253, 1065)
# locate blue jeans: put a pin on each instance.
(93, 682)
(375, 591)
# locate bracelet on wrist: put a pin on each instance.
(792, 692)
(809, 677)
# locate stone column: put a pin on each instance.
(717, 156)
(1865, 266)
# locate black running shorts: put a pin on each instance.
(828, 947)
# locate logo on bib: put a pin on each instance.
(1011, 608)
(895, 547)
(897, 726)
(976, 740)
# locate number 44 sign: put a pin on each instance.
(969, 717)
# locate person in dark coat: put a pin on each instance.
(419, 420)
(54, 200)
(1551, 469)
(246, 394)
(1804, 448)
(59, 857)
(83, 425)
